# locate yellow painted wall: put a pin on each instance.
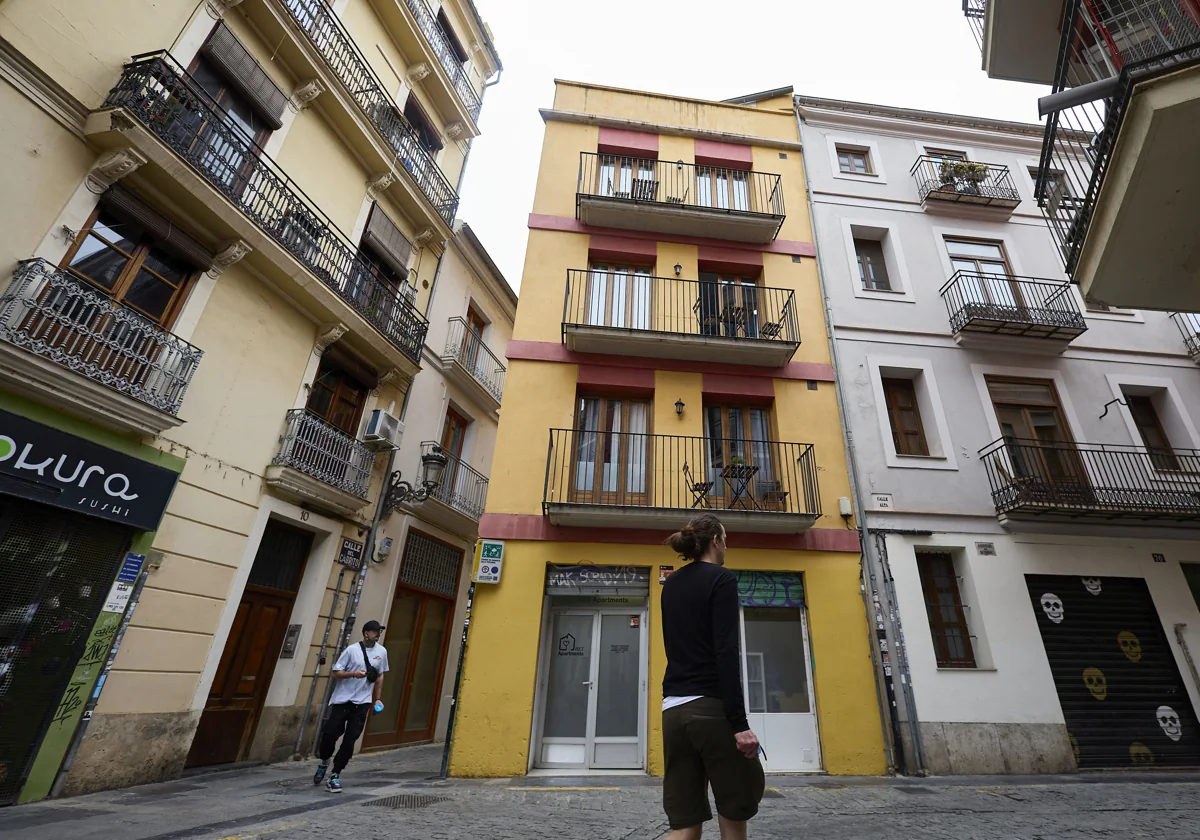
(495, 718)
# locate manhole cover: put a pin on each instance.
(912, 789)
(408, 800)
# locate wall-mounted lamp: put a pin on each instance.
(679, 406)
(678, 269)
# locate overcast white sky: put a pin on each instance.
(912, 53)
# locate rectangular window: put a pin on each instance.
(626, 177)
(739, 455)
(1056, 183)
(854, 161)
(727, 305)
(336, 396)
(872, 267)
(947, 613)
(424, 127)
(984, 274)
(1145, 417)
(454, 431)
(1191, 571)
(904, 414)
(611, 451)
(620, 296)
(1039, 441)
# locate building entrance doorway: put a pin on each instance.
(243, 676)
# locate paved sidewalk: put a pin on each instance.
(397, 795)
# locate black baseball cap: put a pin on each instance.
(373, 625)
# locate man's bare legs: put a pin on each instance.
(730, 830)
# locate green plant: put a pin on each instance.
(970, 171)
(946, 172)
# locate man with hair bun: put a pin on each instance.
(706, 737)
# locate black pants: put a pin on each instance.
(345, 721)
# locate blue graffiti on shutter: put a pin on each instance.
(770, 589)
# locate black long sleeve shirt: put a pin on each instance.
(700, 632)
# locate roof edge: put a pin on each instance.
(918, 115)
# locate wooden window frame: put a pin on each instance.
(135, 262)
(862, 275)
(899, 436)
(346, 383)
(423, 125)
(840, 149)
(627, 271)
(1162, 456)
(454, 417)
(620, 497)
(770, 498)
(933, 609)
(949, 241)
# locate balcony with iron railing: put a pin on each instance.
(1082, 481)
(185, 123)
(993, 309)
(469, 362)
(947, 185)
(617, 479)
(1189, 328)
(440, 45)
(69, 334)
(975, 11)
(678, 198)
(634, 314)
(1117, 208)
(457, 502)
(318, 462)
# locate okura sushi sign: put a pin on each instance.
(45, 465)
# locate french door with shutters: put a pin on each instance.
(593, 689)
(620, 297)
(243, 676)
(612, 455)
(728, 306)
(986, 278)
(738, 451)
(1038, 442)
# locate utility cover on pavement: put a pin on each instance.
(408, 800)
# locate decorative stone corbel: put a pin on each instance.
(476, 47)
(418, 72)
(120, 121)
(218, 8)
(394, 378)
(305, 93)
(379, 183)
(423, 236)
(454, 130)
(111, 167)
(231, 251)
(328, 334)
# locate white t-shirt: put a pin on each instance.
(672, 702)
(357, 690)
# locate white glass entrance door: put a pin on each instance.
(594, 689)
(777, 681)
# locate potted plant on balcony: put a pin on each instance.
(972, 174)
(946, 176)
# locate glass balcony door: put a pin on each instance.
(625, 177)
(728, 306)
(987, 278)
(739, 458)
(611, 455)
(722, 189)
(620, 297)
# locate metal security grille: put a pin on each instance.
(56, 568)
(1122, 697)
(407, 800)
(430, 565)
(279, 562)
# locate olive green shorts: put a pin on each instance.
(700, 750)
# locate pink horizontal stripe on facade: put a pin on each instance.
(733, 260)
(622, 141)
(616, 380)
(553, 351)
(569, 224)
(729, 155)
(621, 248)
(523, 526)
(757, 390)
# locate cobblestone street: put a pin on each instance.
(279, 803)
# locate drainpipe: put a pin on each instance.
(874, 574)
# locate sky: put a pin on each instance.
(908, 53)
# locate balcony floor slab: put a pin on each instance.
(444, 516)
(746, 521)
(463, 378)
(299, 487)
(679, 220)
(699, 348)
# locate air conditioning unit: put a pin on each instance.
(383, 431)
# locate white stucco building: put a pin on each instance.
(1026, 466)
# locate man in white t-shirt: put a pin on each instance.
(354, 692)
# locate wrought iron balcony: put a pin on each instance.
(947, 182)
(1126, 42)
(1011, 305)
(1032, 478)
(631, 480)
(467, 350)
(324, 452)
(1189, 327)
(156, 90)
(49, 312)
(427, 23)
(677, 197)
(975, 11)
(665, 317)
(327, 34)
(462, 486)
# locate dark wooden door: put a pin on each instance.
(243, 676)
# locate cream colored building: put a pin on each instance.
(220, 256)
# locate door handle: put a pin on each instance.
(588, 683)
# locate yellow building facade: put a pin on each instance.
(669, 357)
(223, 229)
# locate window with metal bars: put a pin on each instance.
(430, 564)
(947, 613)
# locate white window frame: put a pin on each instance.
(871, 147)
(888, 233)
(929, 402)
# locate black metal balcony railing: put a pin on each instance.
(468, 350)
(1189, 327)
(642, 303)
(680, 184)
(975, 11)
(428, 24)
(462, 486)
(323, 451)
(327, 34)
(1012, 305)
(1093, 480)
(964, 181)
(1125, 40)
(628, 469)
(50, 313)
(169, 102)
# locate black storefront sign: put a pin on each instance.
(45, 465)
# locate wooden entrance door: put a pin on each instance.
(247, 664)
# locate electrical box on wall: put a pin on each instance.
(383, 547)
(844, 506)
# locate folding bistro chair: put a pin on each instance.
(698, 489)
